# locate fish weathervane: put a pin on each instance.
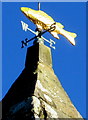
(45, 22)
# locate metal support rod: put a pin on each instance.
(38, 5)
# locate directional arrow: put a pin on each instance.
(25, 28)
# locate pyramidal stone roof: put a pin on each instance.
(37, 92)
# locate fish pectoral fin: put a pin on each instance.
(54, 34)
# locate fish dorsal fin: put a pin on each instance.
(59, 25)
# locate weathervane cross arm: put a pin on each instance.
(38, 34)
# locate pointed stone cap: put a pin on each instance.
(38, 53)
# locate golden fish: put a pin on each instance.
(43, 22)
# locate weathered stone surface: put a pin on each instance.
(37, 93)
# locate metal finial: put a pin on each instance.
(38, 5)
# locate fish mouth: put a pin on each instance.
(24, 10)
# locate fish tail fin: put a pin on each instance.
(69, 35)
